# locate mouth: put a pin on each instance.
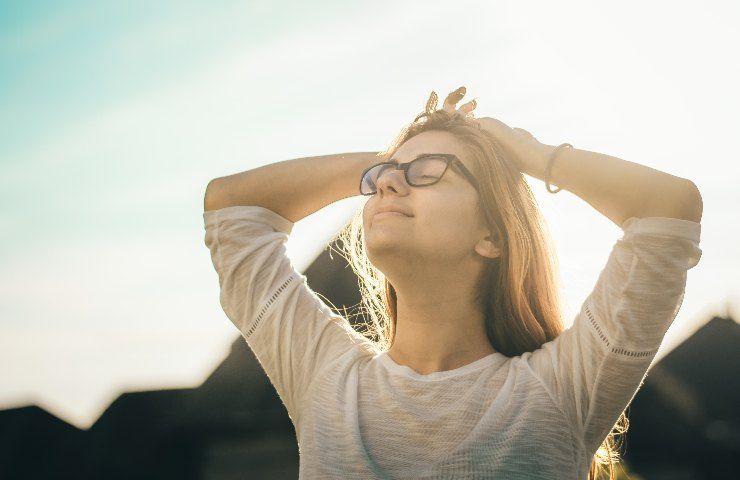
(389, 214)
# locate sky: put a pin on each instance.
(114, 116)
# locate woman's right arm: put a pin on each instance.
(248, 218)
(292, 188)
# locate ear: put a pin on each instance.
(489, 246)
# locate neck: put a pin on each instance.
(439, 327)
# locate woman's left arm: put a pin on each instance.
(617, 188)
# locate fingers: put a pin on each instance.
(467, 108)
(453, 98)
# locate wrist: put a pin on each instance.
(554, 166)
(538, 164)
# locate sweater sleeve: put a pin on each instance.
(593, 369)
(291, 331)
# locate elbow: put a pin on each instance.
(678, 199)
(209, 198)
(692, 203)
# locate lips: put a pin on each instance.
(390, 214)
(391, 208)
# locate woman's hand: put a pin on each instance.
(519, 146)
(454, 97)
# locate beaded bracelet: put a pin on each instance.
(548, 170)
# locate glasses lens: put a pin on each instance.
(426, 170)
(423, 171)
(370, 179)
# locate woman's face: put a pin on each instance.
(442, 225)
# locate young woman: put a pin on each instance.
(465, 369)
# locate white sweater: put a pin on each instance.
(359, 415)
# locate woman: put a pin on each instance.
(465, 369)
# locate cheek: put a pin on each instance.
(365, 219)
(451, 211)
(364, 214)
(448, 225)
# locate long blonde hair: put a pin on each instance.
(521, 288)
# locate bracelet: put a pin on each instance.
(548, 170)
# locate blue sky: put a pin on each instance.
(115, 116)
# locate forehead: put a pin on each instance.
(433, 141)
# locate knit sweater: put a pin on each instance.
(360, 415)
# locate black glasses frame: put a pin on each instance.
(450, 159)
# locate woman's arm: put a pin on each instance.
(620, 189)
(294, 188)
(617, 188)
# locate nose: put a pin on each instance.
(392, 179)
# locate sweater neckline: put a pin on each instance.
(403, 370)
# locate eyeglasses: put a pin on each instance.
(425, 170)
